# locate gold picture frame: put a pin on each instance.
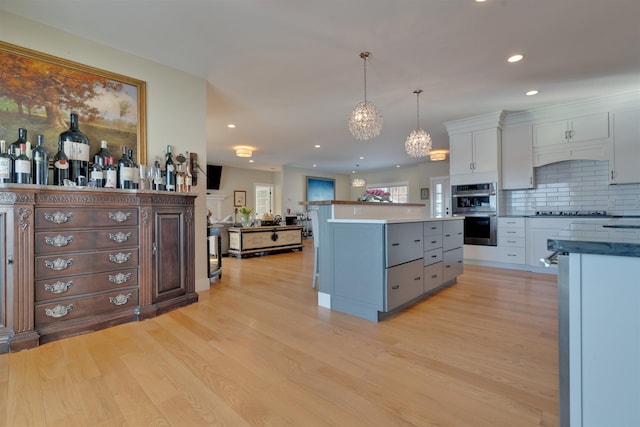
(39, 92)
(239, 198)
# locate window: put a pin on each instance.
(399, 191)
(264, 199)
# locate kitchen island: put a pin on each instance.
(377, 258)
(599, 324)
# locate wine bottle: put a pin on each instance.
(104, 151)
(188, 178)
(6, 164)
(40, 163)
(125, 171)
(76, 147)
(180, 179)
(110, 174)
(135, 171)
(60, 165)
(22, 167)
(14, 147)
(170, 172)
(96, 175)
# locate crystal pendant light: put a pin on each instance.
(358, 182)
(418, 143)
(365, 121)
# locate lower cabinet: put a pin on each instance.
(377, 269)
(79, 260)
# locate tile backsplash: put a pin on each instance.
(577, 185)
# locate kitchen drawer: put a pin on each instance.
(432, 242)
(62, 265)
(59, 217)
(433, 256)
(511, 254)
(404, 242)
(453, 234)
(76, 240)
(433, 228)
(452, 264)
(85, 284)
(432, 276)
(507, 232)
(506, 240)
(510, 222)
(92, 305)
(404, 282)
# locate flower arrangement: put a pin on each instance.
(243, 210)
(375, 196)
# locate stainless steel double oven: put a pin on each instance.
(477, 202)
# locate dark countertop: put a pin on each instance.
(594, 247)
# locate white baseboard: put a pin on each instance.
(324, 300)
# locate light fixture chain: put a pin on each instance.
(418, 109)
(365, 79)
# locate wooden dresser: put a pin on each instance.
(81, 259)
(261, 240)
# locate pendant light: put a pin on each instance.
(365, 121)
(418, 143)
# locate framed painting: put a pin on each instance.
(320, 189)
(239, 198)
(39, 92)
(424, 193)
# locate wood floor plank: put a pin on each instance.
(257, 350)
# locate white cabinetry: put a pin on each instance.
(517, 157)
(626, 147)
(475, 149)
(511, 240)
(578, 129)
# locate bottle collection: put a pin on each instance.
(71, 165)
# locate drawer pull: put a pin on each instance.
(120, 299)
(120, 258)
(119, 278)
(58, 264)
(58, 217)
(417, 241)
(120, 216)
(395, 287)
(395, 244)
(447, 235)
(58, 241)
(417, 278)
(434, 256)
(119, 237)
(433, 276)
(434, 241)
(58, 310)
(58, 287)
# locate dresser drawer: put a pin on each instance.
(62, 265)
(75, 240)
(85, 284)
(75, 308)
(60, 217)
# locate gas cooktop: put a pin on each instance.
(572, 213)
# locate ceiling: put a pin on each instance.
(288, 73)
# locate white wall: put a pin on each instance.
(176, 104)
(294, 187)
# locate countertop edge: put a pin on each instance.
(594, 247)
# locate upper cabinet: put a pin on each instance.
(626, 147)
(475, 149)
(579, 129)
(517, 157)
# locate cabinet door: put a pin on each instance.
(170, 264)
(5, 332)
(589, 128)
(452, 265)
(626, 147)
(461, 153)
(551, 133)
(517, 157)
(485, 150)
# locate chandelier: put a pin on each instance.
(358, 182)
(418, 143)
(365, 121)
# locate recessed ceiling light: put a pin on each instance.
(532, 92)
(361, 157)
(480, 1)
(231, 126)
(397, 166)
(251, 161)
(315, 166)
(515, 58)
(317, 146)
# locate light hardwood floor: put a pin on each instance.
(257, 350)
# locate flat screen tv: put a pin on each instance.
(214, 173)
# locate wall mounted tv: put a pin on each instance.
(214, 173)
